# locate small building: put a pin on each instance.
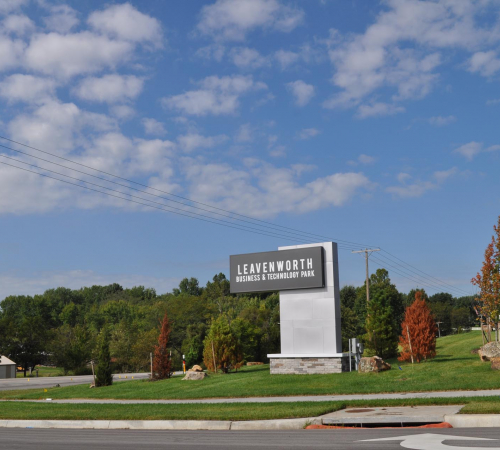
(7, 368)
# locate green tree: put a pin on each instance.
(349, 326)
(189, 286)
(71, 348)
(348, 296)
(222, 345)
(381, 337)
(103, 373)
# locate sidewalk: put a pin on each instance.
(302, 398)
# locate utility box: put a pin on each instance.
(7, 368)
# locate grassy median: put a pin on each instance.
(227, 411)
(454, 368)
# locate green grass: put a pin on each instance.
(454, 368)
(43, 372)
(224, 411)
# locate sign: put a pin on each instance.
(301, 268)
(430, 441)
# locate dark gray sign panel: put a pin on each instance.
(300, 268)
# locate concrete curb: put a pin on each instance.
(473, 420)
(224, 425)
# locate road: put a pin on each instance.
(16, 439)
(49, 382)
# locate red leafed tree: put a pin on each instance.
(418, 335)
(162, 364)
(488, 280)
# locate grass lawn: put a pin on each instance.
(227, 411)
(43, 372)
(454, 368)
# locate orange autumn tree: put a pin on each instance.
(418, 332)
(488, 280)
(162, 363)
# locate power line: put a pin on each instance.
(266, 228)
(162, 191)
(287, 235)
(189, 214)
(409, 277)
(426, 274)
(429, 280)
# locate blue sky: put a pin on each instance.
(369, 122)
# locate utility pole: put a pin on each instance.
(367, 252)
(439, 328)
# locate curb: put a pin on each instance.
(473, 420)
(224, 425)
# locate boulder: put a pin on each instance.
(195, 376)
(195, 368)
(489, 350)
(255, 363)
(373, 364)
(495, 363)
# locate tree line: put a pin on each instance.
(62, 326)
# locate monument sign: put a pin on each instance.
(307, 277)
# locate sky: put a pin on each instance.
(374, 124)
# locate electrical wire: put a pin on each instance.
(164, 192)
(266, 228)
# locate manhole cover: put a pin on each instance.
(358, 410)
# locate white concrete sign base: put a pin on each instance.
(311, 340)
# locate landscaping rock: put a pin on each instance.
(489, 350)
(195, 368)
(495, 363)
(255, 363)
(373, 364)
(195, 376)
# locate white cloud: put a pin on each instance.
(301, 91)
(493, 101)
(11, 52)
(278, 152)
(378, 109)
(247, 58)
(362, 159)
(365, 159)
(217, 95)
(7, 6)
(56, 126)
(18, 24)
(75, 54)
(486, 63)
(152, 126)
(408, 189)
(263, 190)
(307, 133)
(192, 141)
(244, 133)
(62, 18)
(122, 112)
(286, 58)
(442, 175)
(127, 23)
(39, 282)
(381, 57)
(470, 150)
(233, 19)
(109, 88)
(27, 88)
(441, 121)
(212, 51)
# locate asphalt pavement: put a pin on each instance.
(49, 382)
(17, 439)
